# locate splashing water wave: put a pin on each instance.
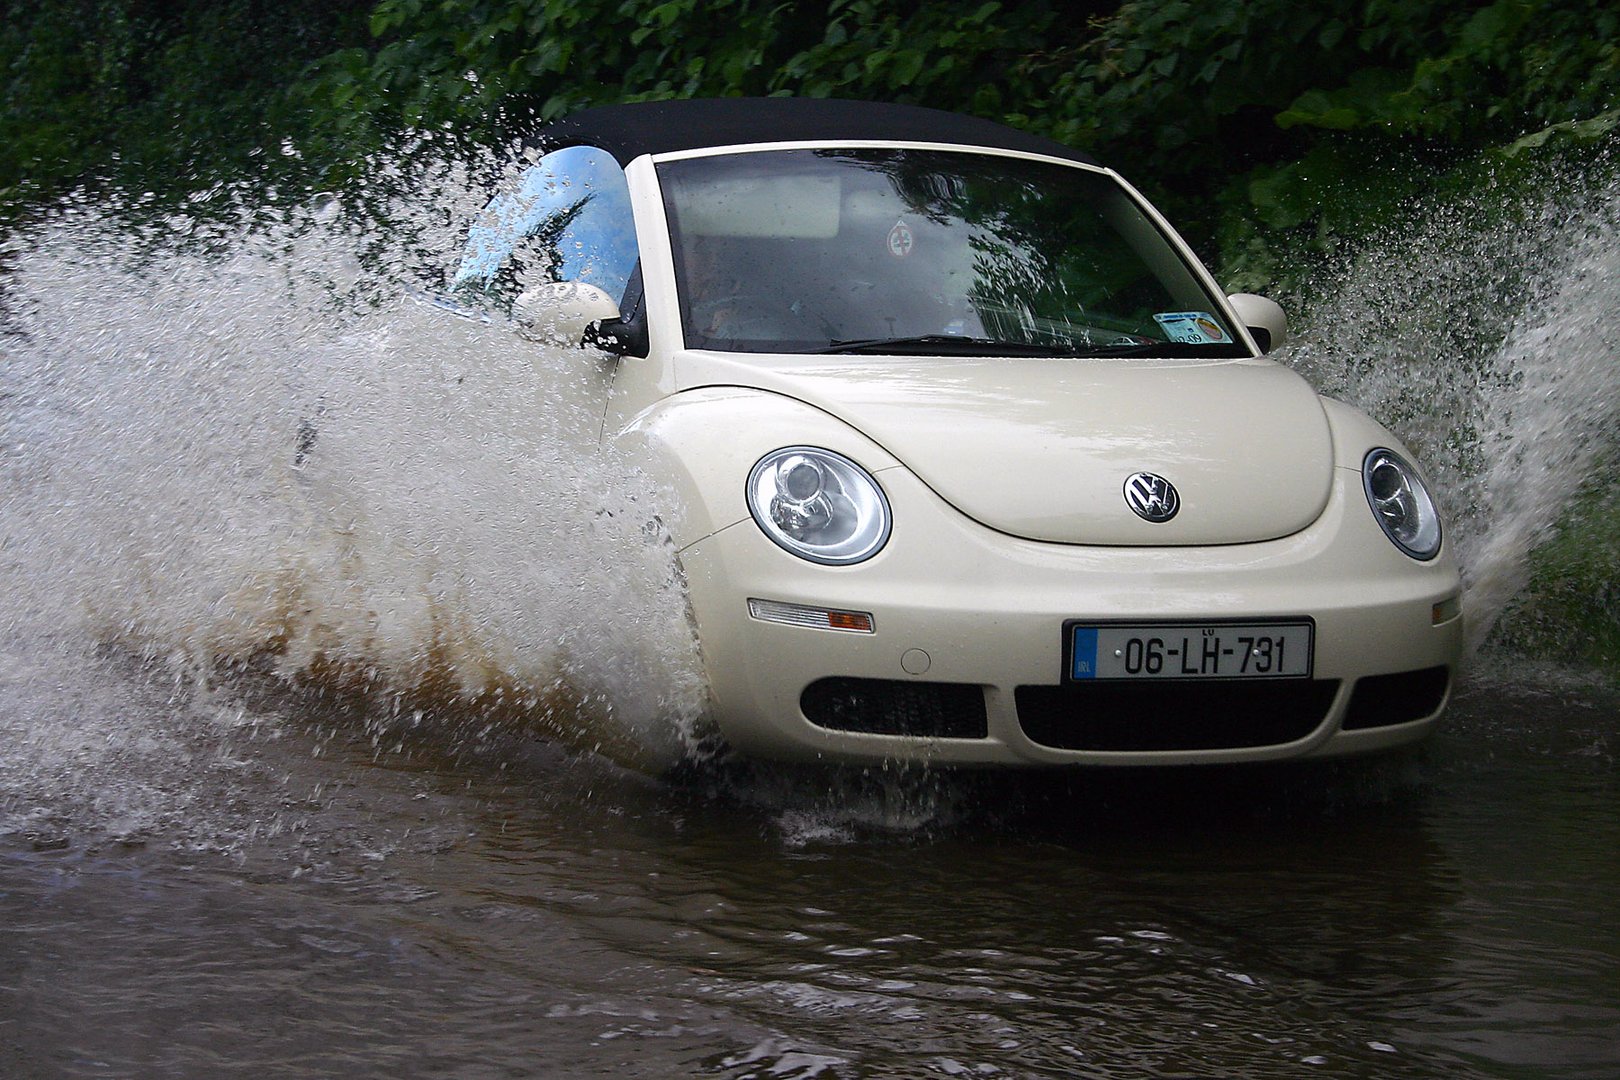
(1482, 334)
(218, 460)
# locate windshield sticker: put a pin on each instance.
(900, 240)
(1191, 327)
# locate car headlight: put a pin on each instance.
(1401, 503)
(819, 505)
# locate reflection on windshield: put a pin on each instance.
(934, 251)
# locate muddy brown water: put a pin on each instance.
(326, 901)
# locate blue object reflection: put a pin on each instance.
(581, 194)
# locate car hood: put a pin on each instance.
(1042, 448)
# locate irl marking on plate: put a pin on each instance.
(1084, 662)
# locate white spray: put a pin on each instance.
(255, 452)
(1482, 334)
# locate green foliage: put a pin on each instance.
(1290, 120)
(168, 96)
(1571, 611)
(498, 67)
(1492, 72)
(1323, 119)
(1263, 110)
(1564, 133)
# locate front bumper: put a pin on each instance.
(958, 604)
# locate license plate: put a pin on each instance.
(1268, 650)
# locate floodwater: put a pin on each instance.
(410, 911)
(352, 756)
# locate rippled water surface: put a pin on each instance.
(412, 911)
(341, 673)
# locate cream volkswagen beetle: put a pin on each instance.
(975, 464)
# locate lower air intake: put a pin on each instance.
(1125, 716)
(1382, 700)
(892, 707)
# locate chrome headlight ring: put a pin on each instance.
(1401, 504)
(819, 505)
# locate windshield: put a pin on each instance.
(926, 251)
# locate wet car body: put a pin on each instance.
(973, 462)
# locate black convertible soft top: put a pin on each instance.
(656, 127)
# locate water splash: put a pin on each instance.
(1480, 331)
(254, 449)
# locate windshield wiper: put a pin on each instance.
(946, 345)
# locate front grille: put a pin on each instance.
(1203, 715)
(892, 707)
(1382, 700)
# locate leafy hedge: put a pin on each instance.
(171, 96)
(1265, 105)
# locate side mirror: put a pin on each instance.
(561, 312)
(1264, 318)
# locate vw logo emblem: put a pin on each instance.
(1152, 497)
